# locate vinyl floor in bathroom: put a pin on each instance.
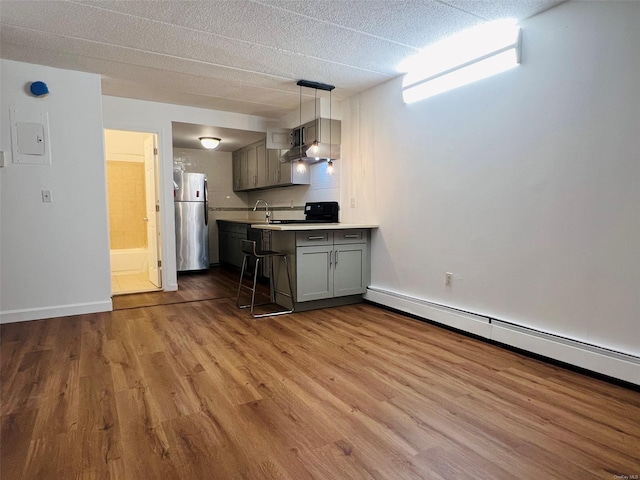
(131, 283)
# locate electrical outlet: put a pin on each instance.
(448, 279)
(353, 202)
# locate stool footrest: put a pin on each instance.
(249, 248)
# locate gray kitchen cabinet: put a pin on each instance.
(331, 264)
(256, 167)
(262, 167)
(239, 159)
(350, 269)
(249, 163)
(230, 236)
(257, 176)
(273, 166)
(314, 275)
(323, 130)
(282, 174)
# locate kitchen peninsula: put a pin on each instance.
(330, 262)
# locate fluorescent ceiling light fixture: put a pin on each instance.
(209, 142)
(461, 59)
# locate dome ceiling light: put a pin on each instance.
(210, 143)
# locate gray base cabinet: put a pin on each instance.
(314, 273)
(230, 236)
(329, 267)
(331, 271)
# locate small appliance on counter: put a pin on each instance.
(192, 218)
(316, 212)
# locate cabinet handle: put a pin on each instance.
(330, 253)
(336, 260)
(352, 235)
(316, 237)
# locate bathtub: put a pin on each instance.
(129, 260)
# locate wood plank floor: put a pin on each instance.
(193, 388)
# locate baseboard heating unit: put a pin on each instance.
(597, 359)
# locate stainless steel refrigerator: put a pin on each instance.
(192, 221)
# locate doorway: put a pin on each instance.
(133, 204)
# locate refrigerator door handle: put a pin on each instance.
(206, 203)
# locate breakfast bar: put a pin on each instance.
(329, 262)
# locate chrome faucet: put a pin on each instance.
(267, 213)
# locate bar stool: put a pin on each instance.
(249, 249)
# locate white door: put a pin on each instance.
(153, 236)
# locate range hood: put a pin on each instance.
(313, 141)
(304, 153)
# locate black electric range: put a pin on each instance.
(316, 212)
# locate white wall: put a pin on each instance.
(526, 185)
(54, 257)
(139, 115)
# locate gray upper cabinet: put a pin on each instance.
(256, 167)
(323, 130)
(240, 179)
(278, 138)
(254, 152)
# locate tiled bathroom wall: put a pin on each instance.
(127, 204)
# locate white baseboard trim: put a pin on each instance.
(27, 314)
(171, 287)
(596, 359)
(432, 311)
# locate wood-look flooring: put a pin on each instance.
(193, 388)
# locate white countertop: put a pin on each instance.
(296, 227)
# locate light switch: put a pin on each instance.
(30, 138)
(46, 196)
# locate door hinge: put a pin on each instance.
(157, 208)
(155, 151)
(159, 263)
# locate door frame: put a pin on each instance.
(158, 174)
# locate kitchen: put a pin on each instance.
(292, 182)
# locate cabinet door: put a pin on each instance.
(235, 249)
(350, 269)
(240, 181)
(237, 171)
(223, 246)
(262, 162)
(252, 166)
(314, 273)
(310, 133)
(273, 166)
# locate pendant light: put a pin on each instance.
(330, 169)
(317, 150)
(300, 167)
(315, 146)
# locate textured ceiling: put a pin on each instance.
(243, 56)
